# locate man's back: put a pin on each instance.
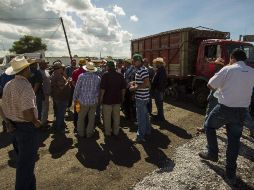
(88, 86)
(113, 83)
(235, 84)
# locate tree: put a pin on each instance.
(28, 44)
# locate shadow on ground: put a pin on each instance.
(153, 148)
(180, 132)
(97, 156)
(187, 104)
(221, 172)
(245, 151)
(60, 145)
(5, 139)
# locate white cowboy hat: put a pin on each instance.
(90, 67)
(18, 64)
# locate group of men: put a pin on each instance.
(29, 84)
(112, 87)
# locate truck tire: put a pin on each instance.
(171, 93)
(200, 97)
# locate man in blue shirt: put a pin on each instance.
(4, 78)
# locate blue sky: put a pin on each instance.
(107, 26)
(234, 16)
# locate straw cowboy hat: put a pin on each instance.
(159, 60)
(82, 62)
(18, 64)
(128, 61)
(90, 67)
(219, 61)
(109, 58)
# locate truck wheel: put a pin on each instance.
(200, 97)
(171, 93)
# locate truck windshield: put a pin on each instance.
(249, 50)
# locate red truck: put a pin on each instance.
(189, 54)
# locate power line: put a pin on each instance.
(55, 31)
(7, 19)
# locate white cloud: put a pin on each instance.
(134, 18)
(118, 10)
(90, 29)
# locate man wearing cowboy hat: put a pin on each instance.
(61, 90)
(19, 107)
(159, 84)
(86, 92)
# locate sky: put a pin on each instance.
(107, 26)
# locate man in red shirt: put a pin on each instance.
(74, 77)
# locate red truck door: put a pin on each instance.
(208, 52)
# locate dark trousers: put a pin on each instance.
(158, 98)
(71, 97)
(26, 145)
(233, 119)
(129, 106)
(60, 112)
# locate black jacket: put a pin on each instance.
(159, 81)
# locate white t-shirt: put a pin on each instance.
(235, 84)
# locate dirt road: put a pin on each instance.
(65, 162)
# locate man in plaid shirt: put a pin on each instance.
(87, 93)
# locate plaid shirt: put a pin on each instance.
(18, 96)
(87, 89)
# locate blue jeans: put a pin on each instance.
(60, 113)
(26, 143)
(212, 102)
(233, 119)
(158, 97)
(144, 125)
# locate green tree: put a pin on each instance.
(28, 44)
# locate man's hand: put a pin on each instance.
(133, 88)
(37, 123)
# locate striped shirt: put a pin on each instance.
(87, 89)
(18, 96)
(141, 75)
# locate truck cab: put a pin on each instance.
(208, 52)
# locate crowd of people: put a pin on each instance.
(99, 93)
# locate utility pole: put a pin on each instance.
(66, 38)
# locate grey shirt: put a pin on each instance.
(46, 86)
